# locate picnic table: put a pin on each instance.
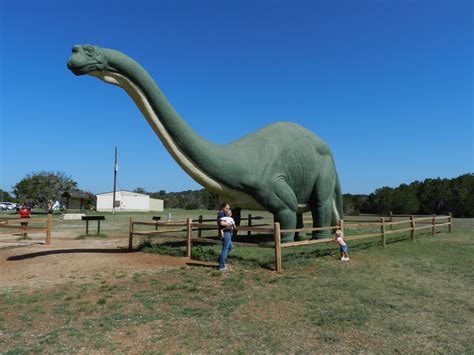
(93, 218)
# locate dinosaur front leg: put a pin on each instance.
(299, 224)
(284, 206)
(287, 219)
(277, 197)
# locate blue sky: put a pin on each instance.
(387, 84)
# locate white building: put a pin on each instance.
(128, 201)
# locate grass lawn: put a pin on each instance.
(410, 297)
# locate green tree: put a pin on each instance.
(405, 200)
(353, 203)
(199, 199)
(140, 190)
(380, 201)
(461, 203)
(43, 186)
(434, 195)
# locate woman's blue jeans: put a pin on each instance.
(226, 248)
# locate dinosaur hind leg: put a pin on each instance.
(321, 213)
(287, 219)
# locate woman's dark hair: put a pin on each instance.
(223, 204)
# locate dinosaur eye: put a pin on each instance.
(89, 51)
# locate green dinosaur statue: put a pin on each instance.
(282, 168)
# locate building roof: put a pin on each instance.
(121, 192)
(75, 194)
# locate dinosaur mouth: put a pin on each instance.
(82, 70)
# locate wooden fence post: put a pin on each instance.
(277, 236)
(249, 233)
(49, 229)
(189, 231)
(391, 219)
(199, 229)
(413, 227)
(450, 220)
(433, 223)
(382, 230)
(341, 226)
(130, 234)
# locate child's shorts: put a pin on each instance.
(343, 248)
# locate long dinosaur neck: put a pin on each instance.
(185, 138)
(190, 150)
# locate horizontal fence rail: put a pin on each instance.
(10, 225)
(189, 225)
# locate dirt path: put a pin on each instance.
(32, 264)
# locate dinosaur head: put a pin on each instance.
(86, 58)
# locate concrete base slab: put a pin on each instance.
(72, 216)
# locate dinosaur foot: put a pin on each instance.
(287, 237)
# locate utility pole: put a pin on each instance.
(115, 181)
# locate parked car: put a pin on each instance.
(7, 206)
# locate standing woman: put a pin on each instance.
(226, 225)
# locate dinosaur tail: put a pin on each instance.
(338, 211)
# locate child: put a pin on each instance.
(229, 220)
(222, 213)
(339, 239)
(227, 223)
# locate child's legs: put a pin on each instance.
(344, 249)
(341, 251)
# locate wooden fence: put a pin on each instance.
(6, 226)
(382, 224)
(414, 224)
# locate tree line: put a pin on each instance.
(429, 196)
(189, 200)
(439, 196)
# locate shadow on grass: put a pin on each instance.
(85, 236)
(70, 251)
(253, 239)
